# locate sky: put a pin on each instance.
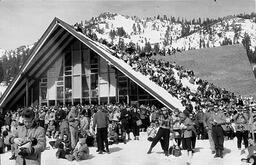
(23, 22)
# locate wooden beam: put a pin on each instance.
(45, 47)
(53, 58)
(38, 65)
(20, 94)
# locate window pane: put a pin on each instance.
(77, 87)
(85, 101)
(94, 93)
(43, 93)
(133, 89)
(93, 57)
(123, 91)
(94, 81)
(103, 100)
(68, 88)
(76, 62)
(85, 61)
(122, 85)
(68, 61)
(85, 82)
(122, 78)
(60, 93)
(85, 86)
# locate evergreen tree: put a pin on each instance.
(156, 48)
(147, 47)
(121, 44)
(138, 27)
(134, 28)
(112, 34)
(121, 32)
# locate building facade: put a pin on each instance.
(67, 68)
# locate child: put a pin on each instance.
(64, 147)
(51, 129)
(81, 151)
(251, 157)
(113, 136)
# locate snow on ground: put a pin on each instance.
(2, 89)
(134, 153)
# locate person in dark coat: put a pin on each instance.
(101, 120)
(135, 126)
(124, 118)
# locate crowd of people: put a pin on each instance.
(72, 130)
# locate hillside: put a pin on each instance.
(226, 66)
(225, 32)
(169, 34)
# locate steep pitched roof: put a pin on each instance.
(57, 36)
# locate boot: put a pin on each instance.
(150, 150)
(217, 153)
(221, 153)
(13, 157)
(166, 153)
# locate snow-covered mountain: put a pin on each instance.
(162, 31)
(226, 32)
(171, 34)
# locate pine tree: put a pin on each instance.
(134, 28)
(138, 27)
(147, 47)
(121, 44)
(121, 32)
(112, 34)
(156, 48)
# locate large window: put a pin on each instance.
(85, 86)
(80, 76)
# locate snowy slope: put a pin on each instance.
(2, 89)
(139, 31)
(229, 30)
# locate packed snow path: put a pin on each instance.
(135, 153)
